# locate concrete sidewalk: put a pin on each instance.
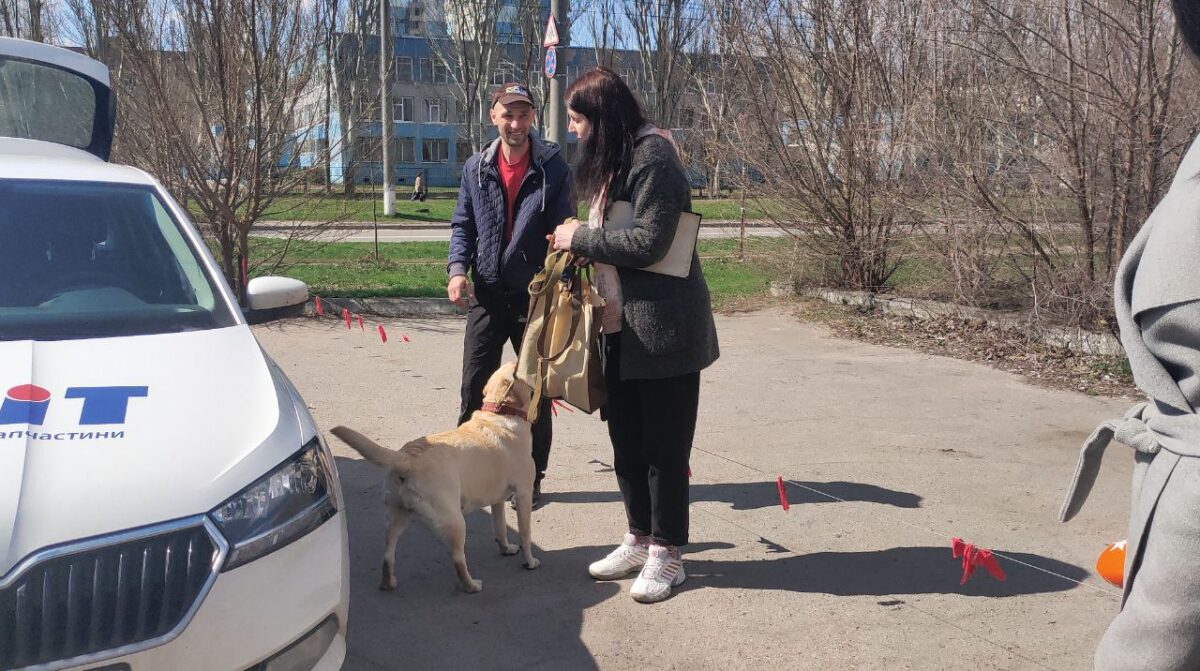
(906, 450)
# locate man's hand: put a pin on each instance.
(560, 239)
(459, 290)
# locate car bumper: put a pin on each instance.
(289, 604)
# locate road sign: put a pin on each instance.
(551, 38)
(551, 62)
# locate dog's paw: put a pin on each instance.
(508, 549)
(532, 564)
(473, 586)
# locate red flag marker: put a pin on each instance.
(689, 472)
(404, 337)
(973, 557)
(346, 316)
(382, 333)
(317, 305)
(782, 494)
(360, 323)
(560, 404)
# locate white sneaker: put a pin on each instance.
(629, 556)
(663, 570)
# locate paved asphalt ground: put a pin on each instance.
(889, 453)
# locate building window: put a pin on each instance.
(463, 149)
(407, 147)
(402, 110)
(434, 71)
(404, 69)
(630, 77)
(687, 118)
(435, 150)
(368, 108)
(415, 18)
(502, 76)
(365, 149)
(435, 111)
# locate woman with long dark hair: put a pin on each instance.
(1158, 308)
(658, 329)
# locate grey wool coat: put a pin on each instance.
(1158, 309)
(668, 322)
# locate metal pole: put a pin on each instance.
(385, 112)
(556, 121)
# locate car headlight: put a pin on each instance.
(293, 499)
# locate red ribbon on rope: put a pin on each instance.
(973, 557)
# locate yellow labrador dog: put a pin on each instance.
(443, 475)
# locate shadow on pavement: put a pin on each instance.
(533, 619)
(894, 571)
(754, 495)
(521, 620)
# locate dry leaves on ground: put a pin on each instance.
(1008, 349)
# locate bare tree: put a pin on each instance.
(472, 50)
(712, 86)
(829, 89)
(606, 31)
(27, 19)
(663, 33)
(1055, 128)
(209, 92)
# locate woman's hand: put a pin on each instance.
(560, 239)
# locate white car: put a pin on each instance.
(166, 500)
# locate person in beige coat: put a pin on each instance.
(1158, 309)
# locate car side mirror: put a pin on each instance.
(274, 297)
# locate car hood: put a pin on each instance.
(102, 435)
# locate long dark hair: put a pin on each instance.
(1187, 21)
(615, 117)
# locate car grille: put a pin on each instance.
(113, 596)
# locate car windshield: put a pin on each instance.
(89, 260)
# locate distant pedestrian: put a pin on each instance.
(658, 329)
(418, 189)
(513, 194)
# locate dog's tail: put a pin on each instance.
(373, 451)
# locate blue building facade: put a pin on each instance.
(428, 130)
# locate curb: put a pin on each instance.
(391, 307)
(1073, 339)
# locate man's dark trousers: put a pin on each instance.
(494, 318)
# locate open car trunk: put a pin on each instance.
(55, 95)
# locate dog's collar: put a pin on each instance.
(504, 409)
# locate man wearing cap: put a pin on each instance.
(513, 194)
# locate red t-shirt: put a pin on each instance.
(511, 177)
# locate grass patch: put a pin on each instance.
(438, 208)
(419, 268)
